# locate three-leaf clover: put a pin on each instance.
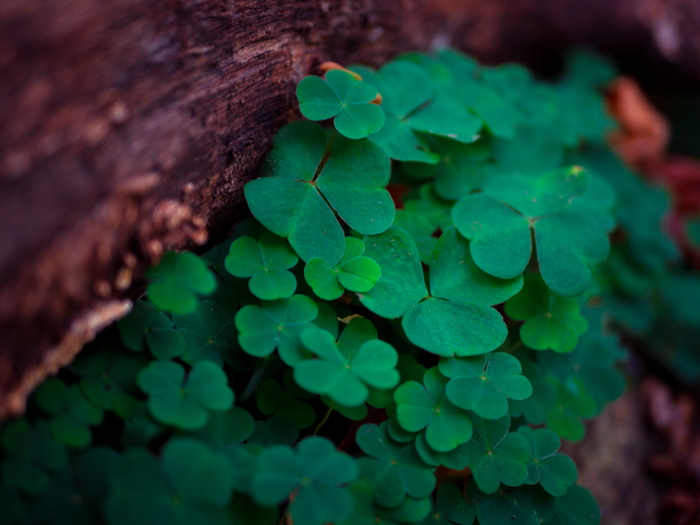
(345, 370)
(426, 407)
(191, 484)
(353, 272)
(497, 456)
(394, 469)
(177, 281)
(266, 262)
(185, 402)
(450, 508)
(209, 332)
(72, 414)
(145, 323)
(456, 318)
(344, 98)
(552, 322)
(555, 472)
(484, 384)
(276, 325)
(272, 399)
(293, 200)
(576, 507)
(312, 475)
(519, 506)
(569, 238)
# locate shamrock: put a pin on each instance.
(276, 325)
(225, 429)
(449, 508)
(353, 272)
(520, 506)
(293, 200)
(576, 507)
(421, 231)
(35, 455)
(365, 512)
(497, 456)
(266, 262)
(551, 321)
(344, 370)
(570, 238)
(343, 97)
(145, 323)
(311, 475)
(425, 407)
(209, 332)
(555, 472)
(414, 107)
(72, 414)
(456, 317)
(483, 384)
(272, 399)
(393, 469)
(191, 484)
(177, 281)
(185, 402)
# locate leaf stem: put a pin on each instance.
(325, 418)
(255, 379)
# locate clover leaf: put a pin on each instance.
(450, 508)
(293, 200)
(426, 408)
(145, 323)
(276, 325)
(191, 484)
(266, 262)
(109, 380)
(393, 470)
(72, 414)
(209, 332)
(519, 506)
(484, 384)
(555, 472)
(497, 456)
(456, 318)
(421, 231)
(272, 399)
(345, 371)
(576, 507)
(552, 322)
(185, 402)
(344, 98)
(226, 429)
(312, 475)
(34, 455)
(569, 239)
(353, 272)
(177, 281)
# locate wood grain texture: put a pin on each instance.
(130, 127)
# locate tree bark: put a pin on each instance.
(130, 127)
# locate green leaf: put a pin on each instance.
(555, 472)
(147, 324)
(276, 325)
(450, 508)
(344, 97)
(192, 484)
(484, 384)
(34, 455)
(401, 284)
(272, 399)
(353, 272)
(352, 180)
(345, 371)
(266, 263)
(209, 331)
(71, 413)
(497, 456)
(552, 322)
(421, 231)
(393, 470)
(185, 402)
(314, 473)
(521, 506)
(177, 282)
(576, 507)
(226, 429)
(427, 408)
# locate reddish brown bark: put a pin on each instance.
(129, 127)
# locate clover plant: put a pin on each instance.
(418, 311)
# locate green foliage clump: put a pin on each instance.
(357, 356)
